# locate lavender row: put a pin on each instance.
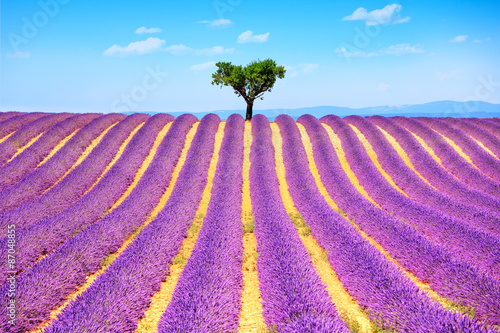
(46, 286)
(472, 245)
(207, 296)
(433, 172)
(75, 183)
(489, 140)
(10, 125)
(379, 287)
(27, 132)
(31, 157)
(484, 161)
(138, 272)
(450, 159)
(46, 235)
(8, 115)
(293, 296)
(486, 124)
(416, 188)
(33, 185)
(428, 261)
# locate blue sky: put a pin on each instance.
(151, 55)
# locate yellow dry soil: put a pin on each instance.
(160, 299)
(373, 156)
(84, 155)
(20, 150)
(57, 147)
(347, 307)
(251, 319)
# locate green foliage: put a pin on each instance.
(249, 82)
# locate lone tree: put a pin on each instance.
(250, 82)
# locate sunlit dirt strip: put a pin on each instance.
(347, 169)
(6, 137)
(57, 147)
(373, 156)
(144, 166)
(484, 148)
(422, 285)
(152, 215)
(117, 156)
(84, 155)
(456, 148)
(161, 299)
(20, 150)
(251, 319)
(403, 154)
(346, 305)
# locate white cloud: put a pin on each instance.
(477, 41)
(387, 15)
(153, 44)
(202, 67)
(397, 50)
(19, 54)
(144, 30)
(454, 74)
(249, 37)
(308, 68)
(382, 87)
(220, 23)
(149, 45)
(459, 39)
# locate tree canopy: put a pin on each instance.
(250, 82)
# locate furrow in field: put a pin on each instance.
(58, 147)
(251, 318)
(450, 159)
(27, 135)
(485, 124)
(9, 114)
(207, 296)
(30, 158)
(414, 186)
(72, 187)
(9, 126)
(466, 147)
(139, 270)
(420, 156)
(43, 177)
(446, 274)
(87, 255)
(161, 298)
(294, 298)
(472, 245)
(347, 306)
(45, 236)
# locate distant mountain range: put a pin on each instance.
(434, 109)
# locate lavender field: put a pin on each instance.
(139, 223)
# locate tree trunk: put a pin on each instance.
(249, 110)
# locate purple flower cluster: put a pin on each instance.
(378, 285)
(29, 159)
(8, 115)
(9, 125)
(416, 188)
(428, 261)
(27, 132)
(489, 140)
(433, 172)
(488, 165)
(46, 235)
(450, 159)
(488, 125)
(293, 296)
(478, 248)
(46, 285)
(119, 297)
(75, 183)
(207, 296)
(32, 186)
